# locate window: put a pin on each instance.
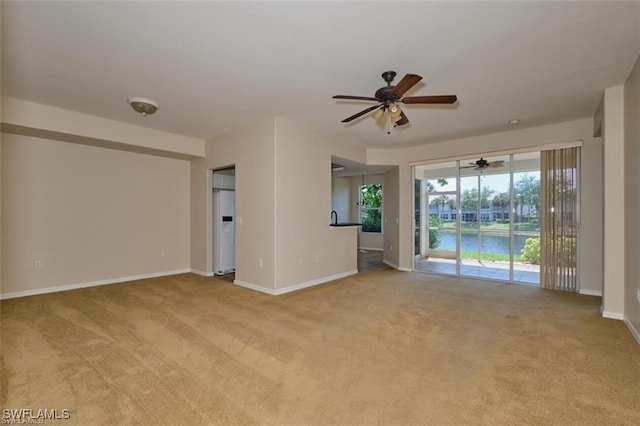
(371, 207)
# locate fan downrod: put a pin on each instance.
(388, 76)
(385, 94)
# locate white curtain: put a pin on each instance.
(559, 219)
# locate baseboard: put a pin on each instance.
(370, 249)
(312, 283)
(388, 262)
(612, 315)
(591, 292)
(202, 273)
(90, 284)
(289, 289)
(255, 287)
(394, 266)
(634, 331)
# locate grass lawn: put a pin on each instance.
(495, 257)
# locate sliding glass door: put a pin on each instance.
(481, 218)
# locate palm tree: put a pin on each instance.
(501, 200)
(528, 190)
(440, 201)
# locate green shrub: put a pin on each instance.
(371, 221)
(531, 251)
(567, 246)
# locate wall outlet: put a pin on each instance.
(317, 258)
(301, 261)
(260, 263)
(163, 253)
(638, 295)
(38, 264)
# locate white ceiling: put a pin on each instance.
(217, 66)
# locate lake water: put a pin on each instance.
(489, 243)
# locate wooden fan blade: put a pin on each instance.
(407, 82)
(437, 99)
(361, 113)
(403, 119)
(356, 98)
(496, 163)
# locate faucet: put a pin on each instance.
(333, 212)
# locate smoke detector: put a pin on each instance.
(143, 106)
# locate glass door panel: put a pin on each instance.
(495, 228)
(436, 208)
(416, 219)
(526, 218)
(442, 232)
(485, 227)
(469, 223)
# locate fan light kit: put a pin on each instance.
(143, 106)
(389, 96)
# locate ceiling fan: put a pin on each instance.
(389, 96)
(484, 164)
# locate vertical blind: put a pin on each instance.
(559, 219)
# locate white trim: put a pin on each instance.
(202, 273)
(90, 284)
(295, 287)
(255, 287)
(613, 315)
(590, 292)
(312, 283)
(634, 331)
(394, 266)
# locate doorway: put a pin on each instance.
(223, 220)
(480, 221)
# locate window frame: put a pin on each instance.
(362, 207)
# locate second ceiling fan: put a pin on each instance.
(484, 164)
(389, 96)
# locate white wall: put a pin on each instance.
(89, 214)
(391, 214)
(525, 138)
(281, 218)
(252, 151)
(614, 203)
(308, 250)
(341, 199)
(632, 199)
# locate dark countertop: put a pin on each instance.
(346, 224)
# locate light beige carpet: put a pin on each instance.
(375, 348)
